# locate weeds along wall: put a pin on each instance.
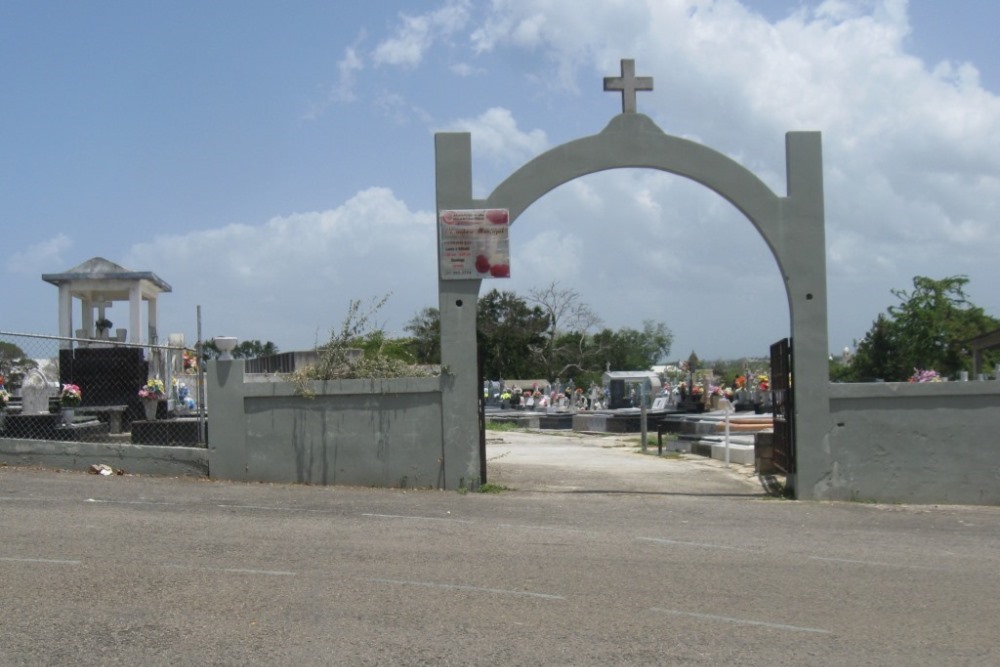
(384, 432)
(897, 442)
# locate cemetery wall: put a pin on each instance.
(915, 443)
(372, 432)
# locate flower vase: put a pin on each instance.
(150, 408)
(68, 416)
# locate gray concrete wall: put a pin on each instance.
(915, 443)
(380, 432)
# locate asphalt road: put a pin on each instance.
(636, 560)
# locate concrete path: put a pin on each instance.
(569, 462)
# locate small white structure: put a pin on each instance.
(35, 393)
(97, 284)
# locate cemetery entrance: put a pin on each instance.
(792, 226)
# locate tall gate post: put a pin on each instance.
(803, 263)
(457, 299)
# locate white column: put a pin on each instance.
(87, 316)
(65, 314)
(154, 333)
(134, 315)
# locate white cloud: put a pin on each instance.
(495, 135)
(45, 254)
(911, 149)
(343, 90)
(465, 70)
(416, 34)
(290, 279)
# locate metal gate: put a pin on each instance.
(783, 406)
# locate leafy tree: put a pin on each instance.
(248, 349)
(928, 329)
(877, 357)
(509, 329)
(630, 349)
(251, 349)
(425, 331)
(545, 336)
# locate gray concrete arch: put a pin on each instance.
(792, 226)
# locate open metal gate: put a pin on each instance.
(783, 406)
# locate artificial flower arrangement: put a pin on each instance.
(153, 390)
(925, 376)
(740, 382)
(190, 361)
(70, 396)
(4, 397)
(763, 382)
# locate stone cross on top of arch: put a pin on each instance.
(628, 83)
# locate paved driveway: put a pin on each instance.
(555, 461)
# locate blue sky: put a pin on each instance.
(274, 161)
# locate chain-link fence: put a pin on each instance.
(81, 390)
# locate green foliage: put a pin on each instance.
(492, 488)
(877, 356)
(359, 349)
(501, 426)
(630, 349)
(247, 349)
(727, 370)
(928, 329)
(508, 330)
(549, 339)
(568, 349)
(839, 371)
(425, 336)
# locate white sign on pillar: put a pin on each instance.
(474, 244)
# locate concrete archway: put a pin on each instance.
(791, 225)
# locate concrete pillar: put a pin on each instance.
(457, 301)
(135, 315)
(227, 446)
(803, 261)
(65, 314)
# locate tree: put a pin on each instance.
(425, 331)
(248, 349)
(508, 331)
(629, 349)
(567, 347)
(877, 357)
(251, 349)
(929, 329)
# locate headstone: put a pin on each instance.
(35, 393)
